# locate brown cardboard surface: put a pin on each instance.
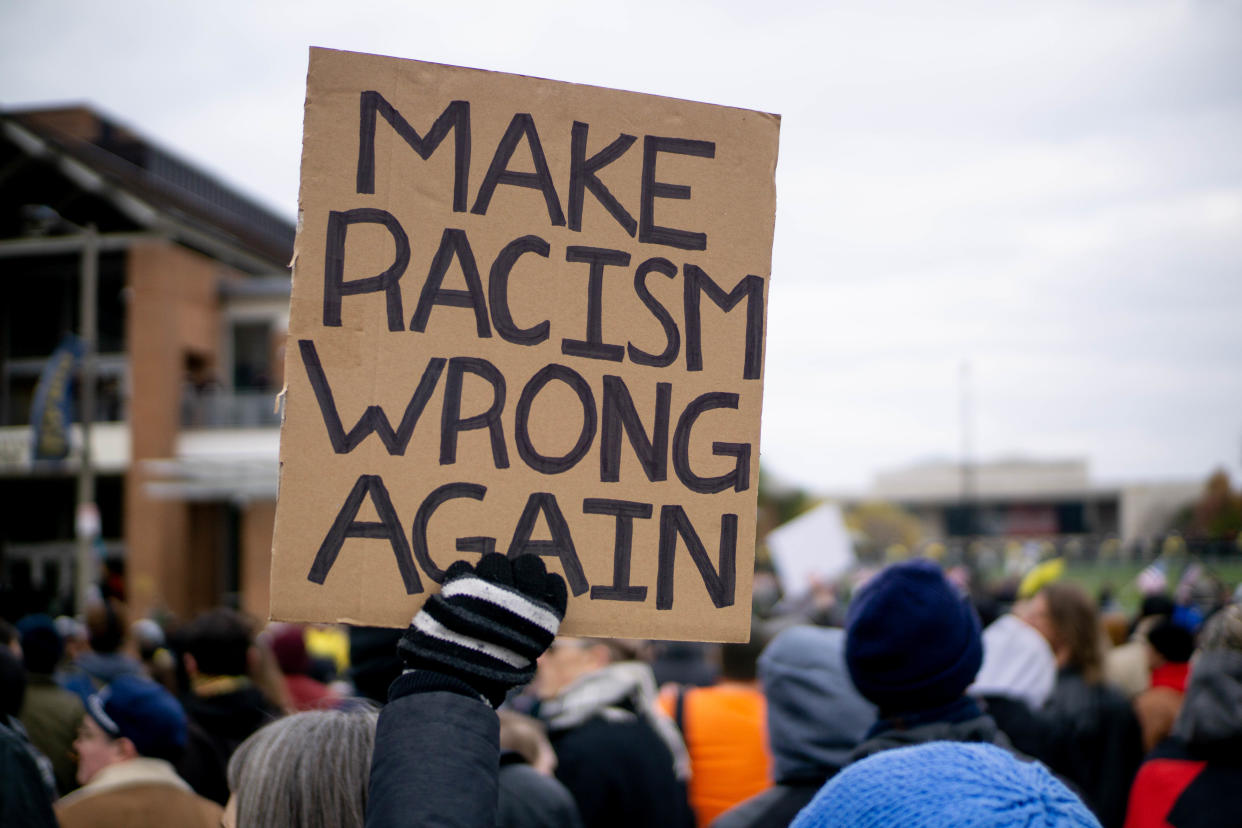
(716, 178)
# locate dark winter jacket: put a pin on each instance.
(24, 796)
(218, 723)
(529, 799)
(815, 719)
(1087, 734)
(1194, 779)
(960, 721)
(435, 762)
(620, 773)
(619, 756)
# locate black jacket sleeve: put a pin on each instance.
(23, 796)
(435, 763)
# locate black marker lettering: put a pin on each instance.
(750, 288)
(582, 177)
(346, 526)
(455, 116)
(624, 511)
(522, 125)
(334, 284)
(433, 501)
(453, 243)
(498, 292)
(594, 346)
(721, 585)
(521, 429)
(648, 230)
(617, 414)
(738, 478)
(561, 545)
(451, 421)
(374, 418)
(671, 335)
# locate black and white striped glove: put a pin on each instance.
(486, 627)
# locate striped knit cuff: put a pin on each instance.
(411, 682)
(488, 624)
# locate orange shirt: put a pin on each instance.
(725, 729)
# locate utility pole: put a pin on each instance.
(88, 243)
(968, 469)
(87, 522)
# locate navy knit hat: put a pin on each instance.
(944, 783)
(912, 642)
(42, 645)
(143, 712)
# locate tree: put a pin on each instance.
(1217, 514)
(884, 525)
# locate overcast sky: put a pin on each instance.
(1050, 192)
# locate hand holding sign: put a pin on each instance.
(488, 625)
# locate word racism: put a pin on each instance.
(529, 322)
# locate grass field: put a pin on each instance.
(1120, 575)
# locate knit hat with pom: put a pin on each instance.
(945, 783)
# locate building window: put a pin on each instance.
(252, 347)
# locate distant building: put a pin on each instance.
(1032, 499)
(192, 310)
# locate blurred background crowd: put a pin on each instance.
(1013, 229)
(617, 732)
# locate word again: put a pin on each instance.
(674, 525)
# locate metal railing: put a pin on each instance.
(229, 409)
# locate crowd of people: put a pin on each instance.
(923, 699)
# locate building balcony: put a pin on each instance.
(216, 464)
(213, 408)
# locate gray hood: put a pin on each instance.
(1211, 714)
(815, 716)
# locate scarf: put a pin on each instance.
(1171, 674)
(619, 692)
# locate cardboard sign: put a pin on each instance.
(527, 317)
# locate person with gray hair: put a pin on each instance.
(431, 758)
(308, 770)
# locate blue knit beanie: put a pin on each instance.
(912, 642)
(944, 784)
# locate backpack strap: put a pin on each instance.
(679, 709)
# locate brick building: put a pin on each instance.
(192, 304)
(1034, 499)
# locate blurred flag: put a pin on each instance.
(1185, 591)
(1153, 580)
(52, 410)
